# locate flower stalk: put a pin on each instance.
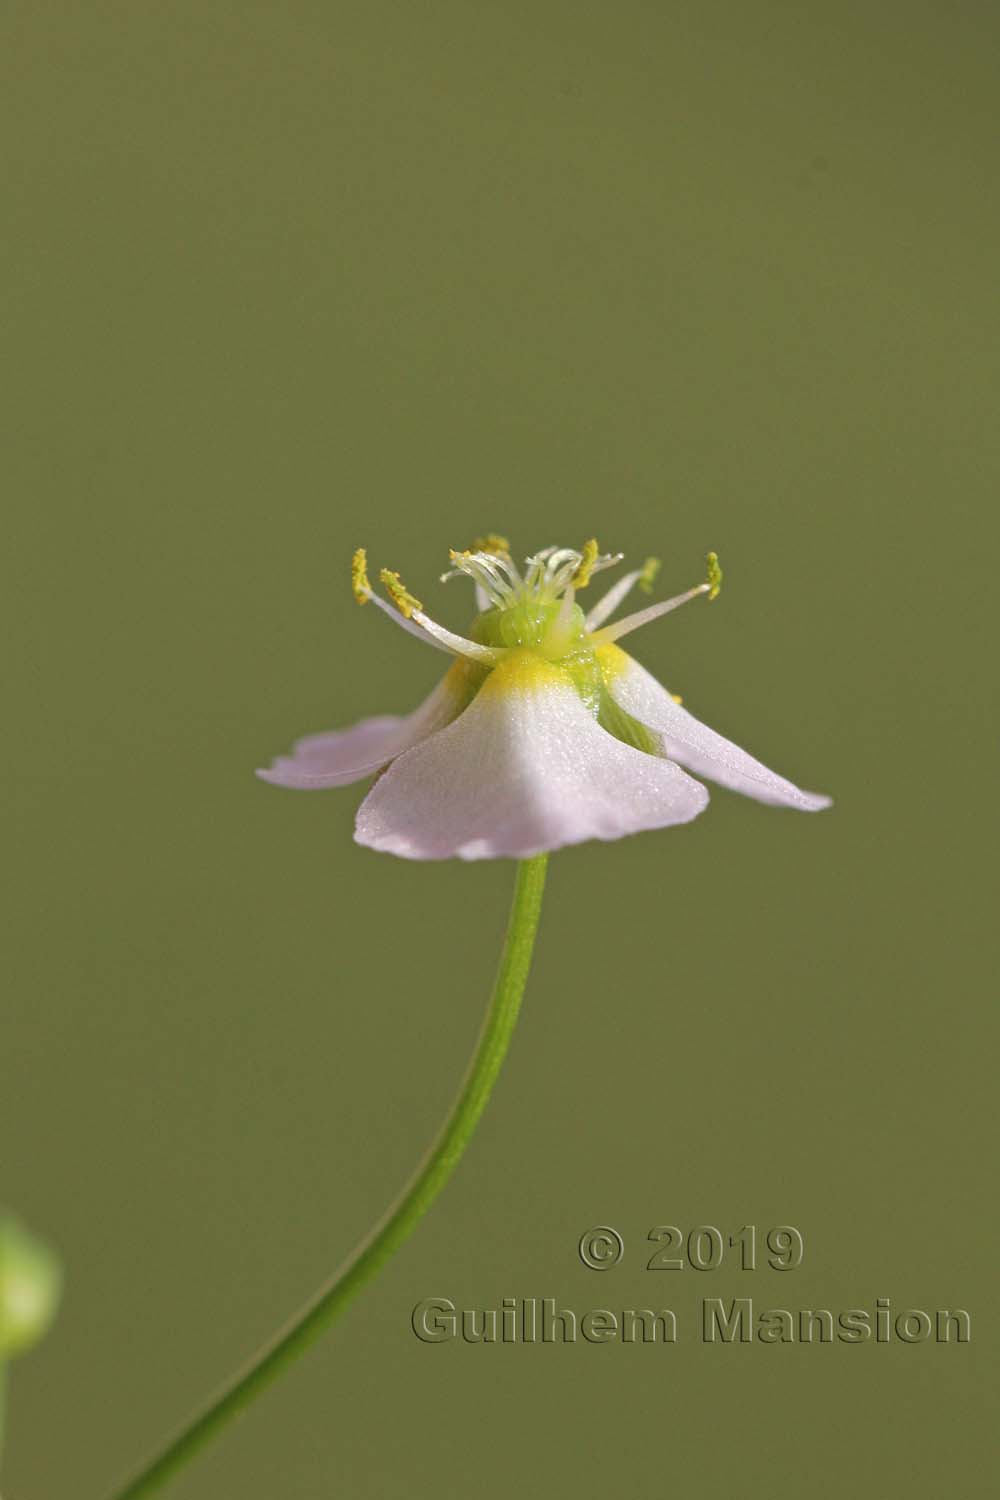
(400, 1220)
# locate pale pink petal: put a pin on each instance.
(346, 755)
(525, 768)
(692, 743)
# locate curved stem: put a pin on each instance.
(399, 1222)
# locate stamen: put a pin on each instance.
(588, 558)
(408, 612)
(410, 626)
(605, 560)
(404, 601)
(714, 575)
(360, 586)
(645, 616)
(647, 576)
(609, 602)
(458, 644)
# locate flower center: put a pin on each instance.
(531, 617)
(553, 628)
(532, 610)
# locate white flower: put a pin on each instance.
(543, 732)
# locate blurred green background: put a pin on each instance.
(283, 279)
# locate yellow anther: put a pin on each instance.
(647, 577)
(400, 596)
(588, 557)
(498, 546)
(714, 579)
(359, 576)
(458, 558)
(677, 697)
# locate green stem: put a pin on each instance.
(400, 1221)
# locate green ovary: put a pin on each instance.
(539, 625)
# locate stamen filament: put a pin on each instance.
(410, 626)
(645, 616)
(458, 645)
(407, 612)
(609, 602)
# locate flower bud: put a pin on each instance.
(30, 1282)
